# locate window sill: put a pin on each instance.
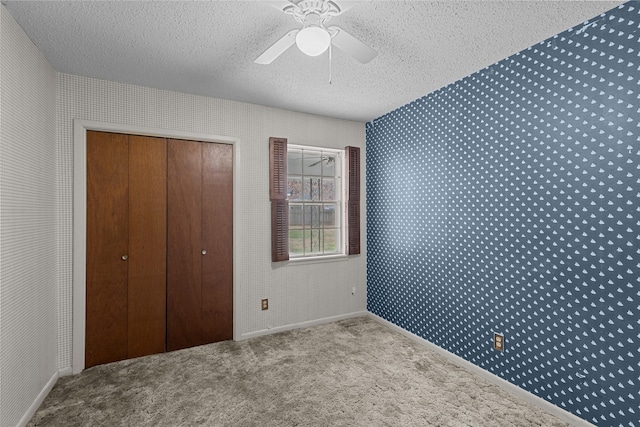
(316, 259)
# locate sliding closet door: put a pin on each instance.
(147, 245)
(184, 252)
(217, 240)
(107, 247)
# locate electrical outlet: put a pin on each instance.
(265, 304)
(498, 341)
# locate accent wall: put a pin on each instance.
(509, 202)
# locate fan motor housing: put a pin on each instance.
(313, 12)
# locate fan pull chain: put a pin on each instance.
(330, 57)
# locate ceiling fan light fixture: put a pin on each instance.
(313, 40)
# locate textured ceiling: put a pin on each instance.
(208, 47)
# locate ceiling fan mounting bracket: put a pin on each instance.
(313, 12)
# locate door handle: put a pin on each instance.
(204, 252)
(125, 257)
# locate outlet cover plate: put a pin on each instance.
(498, 341)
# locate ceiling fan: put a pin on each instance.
(315, 37)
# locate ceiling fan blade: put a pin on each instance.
(277, 49)
(281, 5)
(351, 45)
(343, 7)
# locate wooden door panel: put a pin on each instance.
(217, 239)
(161, 202)
(184, 259)
(107, 241)
(147, 245)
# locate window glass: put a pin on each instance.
(294, 187)
(294, 162)
(314, 184)
(312, 163)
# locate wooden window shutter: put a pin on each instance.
(279, 230)
(277, 169)
(353, 200)
(278, 196)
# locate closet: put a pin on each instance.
(159, 245)
(199, 256)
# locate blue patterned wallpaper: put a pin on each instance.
(509, 202)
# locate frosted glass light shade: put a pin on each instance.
(313, 40)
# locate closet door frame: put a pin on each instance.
(80, 128)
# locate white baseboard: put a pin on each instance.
(36, 403)
(65, 372)
(562, 414)
(301, 325)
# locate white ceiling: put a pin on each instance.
(208, 47)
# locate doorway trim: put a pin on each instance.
(80, 128)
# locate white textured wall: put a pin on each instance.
(297, 292)
(28, 332)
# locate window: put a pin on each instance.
(314, 192)
(311, 216)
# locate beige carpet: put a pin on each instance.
(355, 372)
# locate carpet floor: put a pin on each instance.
(355, 372)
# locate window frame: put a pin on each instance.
(340, 175)
(278, 159)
